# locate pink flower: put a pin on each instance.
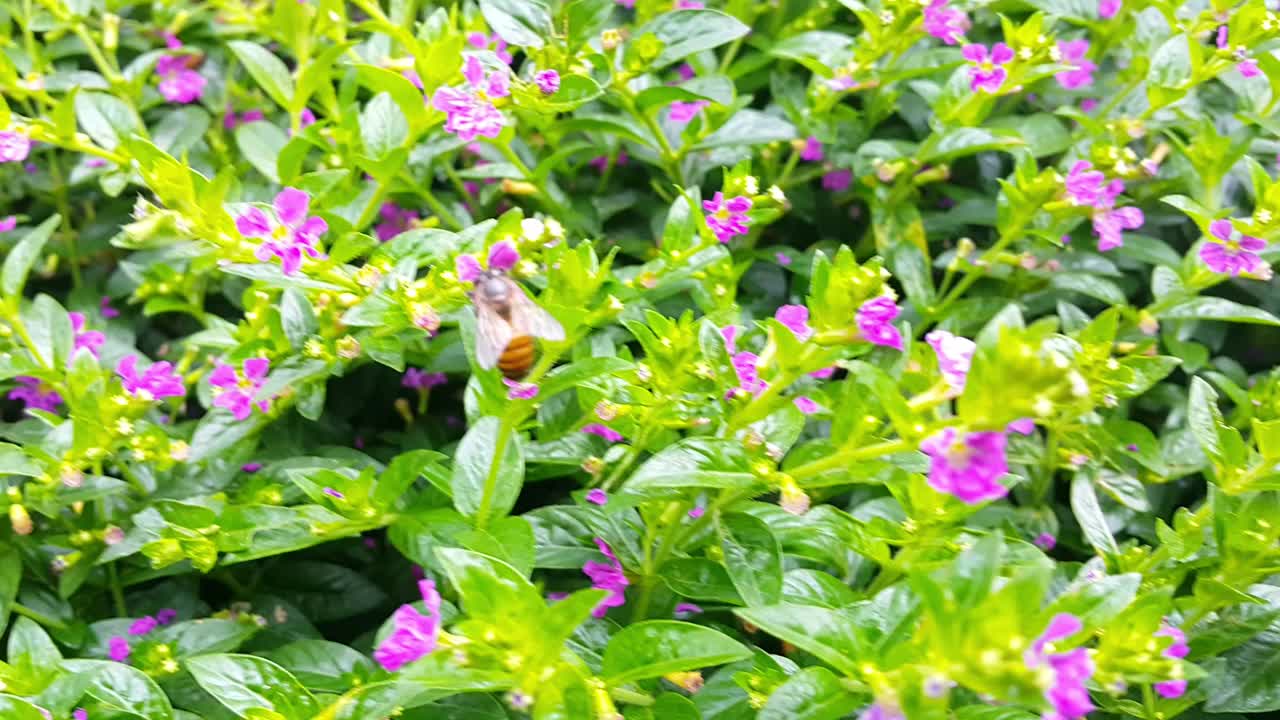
(142, 626)
(1108, 8)
(1236, 253)
(955, 354)
(683, 112)
(968, 465)
(1022, 426)
(730, 335)
(14, 146)
(596, 496)
(1109, 225)
(806, 405)
(306, 118)
(986, 73)
(171, 41)
(502, 256)
(413, 77)
(235, 391)
(159, 381)
(685, 609)
(80, 714)
(875, 322)
(697, 511)
(837, 180)
(744, 365)
(1178, 649)
(946, 24)
(422, 380)
(470, 107)
(727, 218)
(603, 431)
(105, 309)
(89, 340)
(823, 374)
(1247, 66)
(166, 616)
(1171, 689)
(607, 576)
(520, 390)
(1088, 105)
(796, 318)
(179, 83)
(812, 151)
(35, 395)
(414, 635)
(1084, 186)
(395, 220)
(118, 649)
(686, 72)
(1045, 541)
(782, 259)
(478, 40)
(689, 5)
(601, 162)
(289, 234)
(1067, 692)
(1249, 69)
(628, 4)
(1081, 75)
(9, 223)
(335, 494)
(251, 467)
(548, 81)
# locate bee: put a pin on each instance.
(507, 321)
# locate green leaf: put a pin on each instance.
(125, 688)
(484, 486)
(261, 143)
(269, 71)
(13, 708)
(408, 98)
(244, 683)
(10, 580)
(700, 579)
(1171, 63)
(1098, 601)
(13, 461)
(911, 268)
(30, 647)
(383, 126)
(753, 558)
(822, 632)
(686, 32)
(489, 588)
(1089, 284)
(814, 693)
(1084, 504)
(694, 463)
(17, 264)
(326, 592)
(323, 666)
(105, 118)
(1211, 308)
(1247, 679)
(963, 141)
(749, 127)
(658, 647)
(519, 22)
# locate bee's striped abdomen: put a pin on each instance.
(517, 358)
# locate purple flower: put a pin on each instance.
(1108, 8)
(1236, 252)
(35, 395)
(730, 335)
(142, 626)
(796, 318)
(837, 180)
(697, 511)
(520, 390)
(251, 467)
(683, 112)
(118, 649)
(628, 4)
(689, 5)
(824, 373)
(14, 146)
(333, 493)
(955, 354)
(159, 381)
(686, 72)
(875, 322)
(8, 223)
(422, 380)
(744, 365)
(607, 576)
(601, 162)
(1109, 225)
(1045, 541)
(235, 391)
(395, 220)
(1171, 689)
(470, 107)
(306, 118)
(1084, 186)
(166, 616)
(967, 465)
(603, 431)
(881, 710)
(1247, 66)
(415, 634)
(502, 256)
(1067, 693)
(1081, 74)
(287, 236)
(1022, 426)
(105, 309)
(782, 259)
(946, 24)
(80, 714)
(986, 73)
(806, 405)
(727, 218)
(548, 81)
(812, 151)
(89, 340)
(685, 609)
(1249, 69)
(1088, 104)
(1178, 649)
(596, 496)
(178, 82)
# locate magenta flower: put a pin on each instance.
(955, 354)
(727, 218)
(1178, 649)
(14, 146)
(1171, 689)
(105, 309)
(470, 107)
(744, 365)
(159, 381)
(986, 73)
(730, 335)
(875, 322)
(1081, 74)
(251, 467)
(144, 625)
(89, 340)
(520, 390)
(689, 5)
(812, 151)
(502, 256)
(333, 493)
(1247, 66)
(683, 112)
(824, 373)
(1045, 541)
(601, 162)
(596, 496)
(946, 24)
(395, 220)
(1067, 692)
(306, 118)
(967, 465)
(166, 616)
(289, 234)
(235, 391)
(686, 72)
(80, 714)
(607, 576)
(1109, 225)
(548, 81)
(697, 511)
(35, 395)
(1235, 253)
(179, 83)
(118, 649)
(806, 405)
(782, 259)
(837, 180)
(603, 431)
(1084, 186)
(1022, 426)
(8, 223)
(796, 318)
(1108, 8)
(685, 609)
(414, 635)
(422, 380)
(628, 4)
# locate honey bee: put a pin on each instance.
(507, 321)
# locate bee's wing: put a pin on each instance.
(529, 319)
(493, 334)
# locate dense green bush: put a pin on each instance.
(883, 359)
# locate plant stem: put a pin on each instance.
(39, 617)
(846, 457)
(1019, 224)
(117, 593)
(433, 202)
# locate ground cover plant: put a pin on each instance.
(587, 359)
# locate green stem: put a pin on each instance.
(64, 208)
(1149, 702)
(973, 274)
(513, 157)
(847, 457)
(434, 203)
(630, 697)
(39, 617)
(117, 592)
(15, 320)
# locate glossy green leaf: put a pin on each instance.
(658, 647)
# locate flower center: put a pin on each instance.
(958, 454)
(279, 232)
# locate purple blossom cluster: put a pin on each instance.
(237, 391)
(1087, 187)
(1067, 672)
(178, 82)
(470, 108)
(288, 234)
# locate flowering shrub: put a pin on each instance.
(893, 359)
